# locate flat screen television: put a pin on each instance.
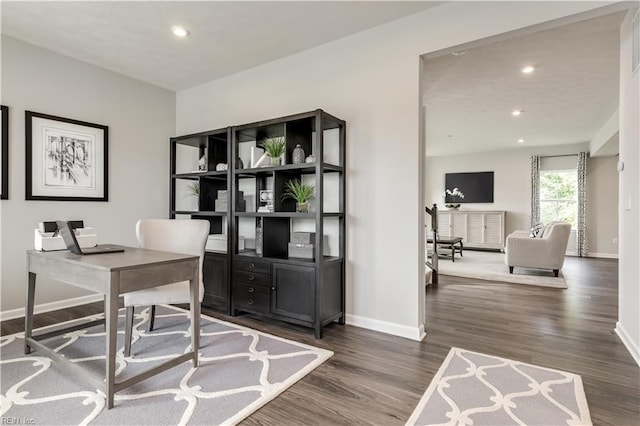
(477, 187)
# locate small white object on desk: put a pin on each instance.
(49, 241)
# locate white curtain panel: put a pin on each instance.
(582, 247)
(535, 190)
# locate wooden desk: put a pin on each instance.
(453, 244)
(112, 274)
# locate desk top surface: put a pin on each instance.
(131, 258)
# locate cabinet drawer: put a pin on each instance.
(252, 278)
(251, 298)
(251, 266)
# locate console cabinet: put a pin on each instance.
(478, 229)
(250, 270)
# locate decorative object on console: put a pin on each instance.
(301, 192)
(297, 156)
(274, 148)
(66, 159)
(221, 167)
(4, 153)
(454, 194)
(258, 157)
(310, 159)
(239, 163)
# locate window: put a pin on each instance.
(559, 196)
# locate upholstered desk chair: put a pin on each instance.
(177, 236)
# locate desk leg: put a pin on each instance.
(195, 317)
(111, 320)
(28, 317)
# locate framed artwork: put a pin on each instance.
(4, 153)
(67, 160)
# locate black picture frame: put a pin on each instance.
(66, 159)
(4, 154)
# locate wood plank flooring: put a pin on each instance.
(378, 379)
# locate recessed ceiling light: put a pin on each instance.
(516, 113)
(520, 140)
(179, 31)
(528, 69)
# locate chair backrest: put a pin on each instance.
(558, 235)
(177, 236)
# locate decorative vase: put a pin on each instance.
(298, 155)
(275, 161)
(239, 163)
(302, 207)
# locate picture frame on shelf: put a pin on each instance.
(66, 159)
(4, 153)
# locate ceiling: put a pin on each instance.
(134, 38)
(571, 94)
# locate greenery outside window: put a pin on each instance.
(559, 196)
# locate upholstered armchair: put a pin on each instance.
(544, 252)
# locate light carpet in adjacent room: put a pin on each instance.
(240, 370)
(471, 388)
(490, 266)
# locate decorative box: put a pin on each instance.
(45, 241)
(218, 242)
(222, 205)
(303, 237)
(302, 251)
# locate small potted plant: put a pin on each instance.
(193, 191)
(301, 192)
(455, 193)
(274, 148)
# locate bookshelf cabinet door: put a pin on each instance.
(293, 292)
(216, 284)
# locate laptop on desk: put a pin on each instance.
(69, 237)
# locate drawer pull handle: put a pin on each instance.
(251, 289)
(251, 278)
(250, 302)
(251, 265)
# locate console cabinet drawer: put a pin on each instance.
(251, 298)
(252, 266)
(252, 278)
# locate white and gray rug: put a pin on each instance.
(490, 266)
(240, 370)
(471, 388)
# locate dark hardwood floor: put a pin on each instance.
(376, 378)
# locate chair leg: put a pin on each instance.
(555, 272)
(511, 269)
(128, 330)
(152, 317)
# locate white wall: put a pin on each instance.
(628, 326)
(602, 206)
(371, 80)
(141, 118)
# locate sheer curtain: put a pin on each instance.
(582, 247)
(535, 190)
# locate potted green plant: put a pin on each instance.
(274, 148)
(193, 190)
(301, 192)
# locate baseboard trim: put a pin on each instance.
(604, 255)
(633, 349)
(52, 306)
(412, 333)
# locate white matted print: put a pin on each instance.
(66, 159)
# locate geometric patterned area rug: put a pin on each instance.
(490, 266)
(471, 388)
(239, 371)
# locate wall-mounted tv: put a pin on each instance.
(477, 187)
